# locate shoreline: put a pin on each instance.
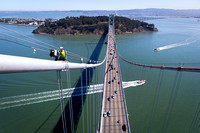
(93, 34)
(20, 24)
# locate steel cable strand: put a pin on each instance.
(63, 104)
(82, 102)
(93, 102)
(70, 102)
(156, 97)
(195, 122)
(169, 102)
(72, 57)
(146, 112)
(172, 99)
(58, 77)
(24, 45)
(197, 125)
(75, 55)
(87, 98)
(96, 99)
(89, 103)
(27, 36)
(24, 40)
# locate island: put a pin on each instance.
(96, 25)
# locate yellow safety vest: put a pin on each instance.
(63, 54)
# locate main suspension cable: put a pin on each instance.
(162, 67)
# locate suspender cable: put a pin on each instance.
(58, 77)
(156, 98)
(82, 100)
(173, 95)
(61, 101)
(93, 102)
(70, 102)
(63, 104)
(96, 96)
(87, 100)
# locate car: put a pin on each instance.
(115, 92)
(108, 98)
(113, 96)
(108, 113)
(104, 114)
(114, 78)
(124, 127)
(109, 82)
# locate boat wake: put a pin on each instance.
(185, 42)
(21, 100)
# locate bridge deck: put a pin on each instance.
(112, 83)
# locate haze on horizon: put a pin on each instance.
(51, 5)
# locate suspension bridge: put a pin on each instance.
(113, 115)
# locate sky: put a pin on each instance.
(43, 5)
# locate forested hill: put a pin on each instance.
(84, 25)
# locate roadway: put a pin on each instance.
(112, 83)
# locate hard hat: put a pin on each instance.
(61, 47)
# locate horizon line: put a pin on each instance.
(96, 10)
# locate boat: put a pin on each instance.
(156, 49)
(133, 83)
(140, 82)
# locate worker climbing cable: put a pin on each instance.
(63, 54)
(59, 54)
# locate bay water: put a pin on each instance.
(168, 102)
